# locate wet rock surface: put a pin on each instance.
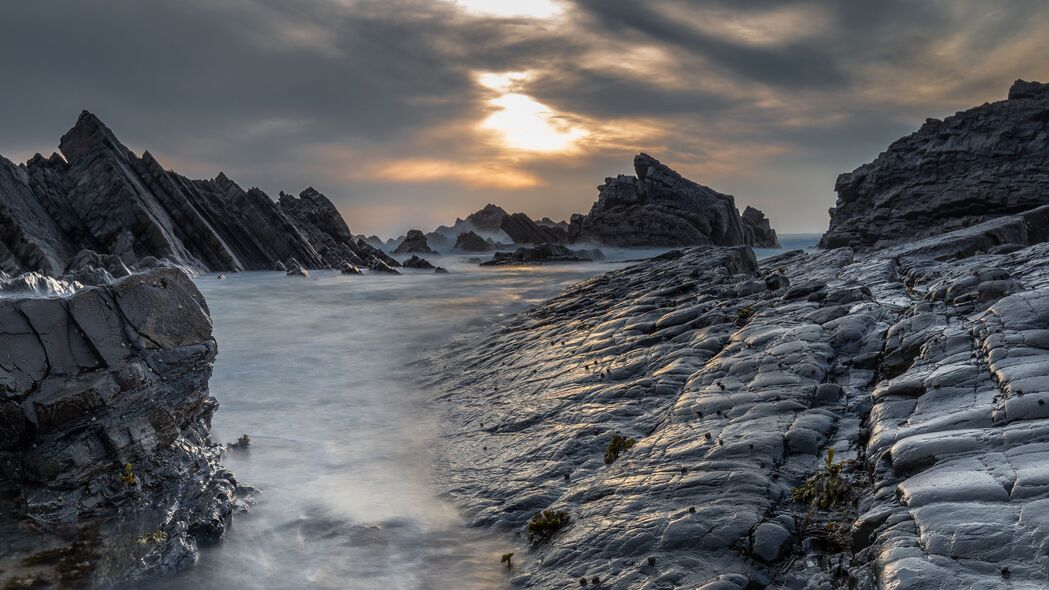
(922, 367)
(659, 207)
(985, 162)
(109, 470)
(99, 196)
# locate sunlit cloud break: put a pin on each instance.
(522, 122)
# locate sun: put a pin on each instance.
(522, 122)
(512, 8)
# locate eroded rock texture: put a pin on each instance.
(923, 367)
(658, 207)
(988, 161)
(103, 198)
(109, 469)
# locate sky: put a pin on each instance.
(410, 113)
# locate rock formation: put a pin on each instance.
(758, 230)
(658, 207)
(988, 161)
(414, 243)
(494, 223)
(416, 262)
(101, 197)
(107, 461)
(471, 242)
(522, 230)
(540, 254)
(487, 219)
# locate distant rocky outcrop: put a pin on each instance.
(540, 254)
(417, 262)
(757, 229)
(547, 222)
(104, 432)
(471, 242)
(658, 207)
(522, 230)
(414, 242)
(101, 197)
(985, 162)
(493, 224)
(488, 219)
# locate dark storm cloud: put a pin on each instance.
(790, 64)
(377, 102)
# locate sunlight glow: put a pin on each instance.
(512, 8)
(523, 122)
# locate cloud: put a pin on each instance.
(381, 104)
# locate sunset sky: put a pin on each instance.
(409, 113)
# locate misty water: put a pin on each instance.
(326, 375)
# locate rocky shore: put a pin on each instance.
(846, 417)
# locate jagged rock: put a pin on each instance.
(471, 242)
(547, 222)
(416, 262)
(537, 255)
(414, 242)
(373, 256)
(659, 207)
(103, 198)
(104, 429)
(989, 161)
(320, 222)
(488, 219)
(522, 230)
(494, 223)
(758, 230)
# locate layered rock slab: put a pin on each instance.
(104, 432)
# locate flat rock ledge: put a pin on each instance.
(109, 470)
(924, 367)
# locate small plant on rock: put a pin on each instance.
(545, 525)
(743, 315)
(127, 477)
(616, 446)
(825, 489)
